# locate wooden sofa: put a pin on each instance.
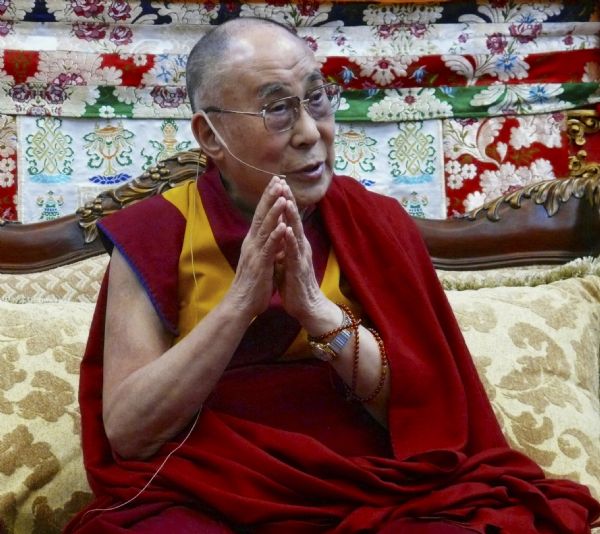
(521, 273)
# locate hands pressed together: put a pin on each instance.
(276, 256)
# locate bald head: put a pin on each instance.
(207, 62)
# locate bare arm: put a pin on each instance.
(152, 389)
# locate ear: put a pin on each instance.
(208, 141)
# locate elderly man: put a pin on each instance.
(272, 351)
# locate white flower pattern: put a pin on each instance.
(408, 104)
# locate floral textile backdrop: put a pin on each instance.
(445, 104)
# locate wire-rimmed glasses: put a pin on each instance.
(281, 114)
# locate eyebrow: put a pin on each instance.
(270, 89)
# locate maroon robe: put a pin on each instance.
(277, 448)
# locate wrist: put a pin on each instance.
(238, 307)
(329, 345)
(325, 317)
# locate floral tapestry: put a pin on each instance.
(444, 104)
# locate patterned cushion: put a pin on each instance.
(77, 282)
(42, 481)
(536, 349)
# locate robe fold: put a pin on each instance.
(277, 447)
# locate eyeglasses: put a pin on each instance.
(281, 114)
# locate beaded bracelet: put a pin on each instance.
(384, 367)
(348, 321)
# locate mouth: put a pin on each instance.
(312, 171)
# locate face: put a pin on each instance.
(258, 74)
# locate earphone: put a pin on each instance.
(152, 477)
(226, 147)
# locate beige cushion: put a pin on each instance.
(77, 282)
(536, 349)
(533, 275)
(42, 480)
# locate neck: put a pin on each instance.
(248, 210)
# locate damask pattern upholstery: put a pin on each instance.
(536, 350)
(536, 345)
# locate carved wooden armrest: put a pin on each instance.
(580, 124)
(165, 175)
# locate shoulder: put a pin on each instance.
(149, 235)
(151, 219)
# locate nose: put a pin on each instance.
(306, 129)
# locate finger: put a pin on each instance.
(292, 250)
(270, 195)
(273, 246)
(262, 227)
(287, 191)
(294, 220)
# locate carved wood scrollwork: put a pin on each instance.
(583, 181)
(581, 123)
(550, 193)
(165, 175)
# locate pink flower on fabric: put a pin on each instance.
(385, 31)
(340, 40)
(418, 29)
(525, 33)
(121, 35)
(4, 4)
(410, 99)
(21, 92)
(496, 43)
(119, 10)
(5, 28)
(68, 78)
(168, 97)
(55, 94)
(568, 40)
(90, 31)
(87, 8)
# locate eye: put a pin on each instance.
(279, 107)
(317, 96)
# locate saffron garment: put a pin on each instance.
(277, 447)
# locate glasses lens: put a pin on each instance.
(323, 101)
(281, 114)
(320, 103)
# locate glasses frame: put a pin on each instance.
(298, 101)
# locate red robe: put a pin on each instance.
(278, 449)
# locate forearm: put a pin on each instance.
(366, 370)
(158, 400)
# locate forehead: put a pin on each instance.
(263, 61)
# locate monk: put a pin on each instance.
(272, 351)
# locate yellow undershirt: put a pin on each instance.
(205, 275)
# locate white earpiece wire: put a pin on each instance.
(198, 414)
(222, 141)
(152, 477)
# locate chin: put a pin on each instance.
(309, 196)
